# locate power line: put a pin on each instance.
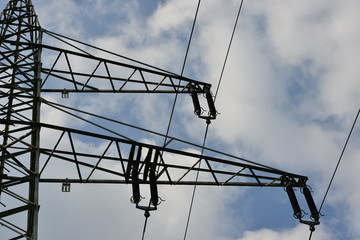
(340, 158)
(176, 94)
(147, 215)
(194, 189)
(208, 123)
(144, 229)
(182, 71)
(228, 50)
(337, 165)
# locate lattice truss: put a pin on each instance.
(113, 160)
(26, 161)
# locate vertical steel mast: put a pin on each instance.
(20, 71)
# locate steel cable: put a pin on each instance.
(337, 165)
(176, 94)
(208, 123)
(228, 50)
(182, 72)
(194, 189)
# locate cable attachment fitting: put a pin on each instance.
(136, 199)
(64, 93)
(147, 213)
(66, 186)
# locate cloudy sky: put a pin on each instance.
(288, 97)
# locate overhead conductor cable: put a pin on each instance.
(337, 165)
(212, 110)
(176, 94)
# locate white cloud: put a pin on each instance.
(255, 98)
(322, 33)
(61, 16)
(172, 16)
(288, 97)
(298, 233)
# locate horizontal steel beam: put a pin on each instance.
(207, 183)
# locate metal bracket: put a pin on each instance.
(66, 186)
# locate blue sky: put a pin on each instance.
(289, 94)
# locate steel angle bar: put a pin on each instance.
(255, 176)
(17, 168)
(165, 168)
(14, 228)
(56, 152)
(75, 155)
(188, 170)
(52, 68)
(162, 182)
(98, 162)
(234, 175)
(14, 211)
(212, 171)
(52, 151)
(91, 76)
(16, 140)
(13, 181)
(17, 196)
(70, 70)
(72, 80)
(9, 132)
(109, 77)
(81, 163)
(120, 156)
(12, 156)
(161, 82)
(21, 104)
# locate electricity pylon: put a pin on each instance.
(26, 160)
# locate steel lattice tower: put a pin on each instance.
(25, 159)
(20, 100)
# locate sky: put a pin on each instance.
(288, 98)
